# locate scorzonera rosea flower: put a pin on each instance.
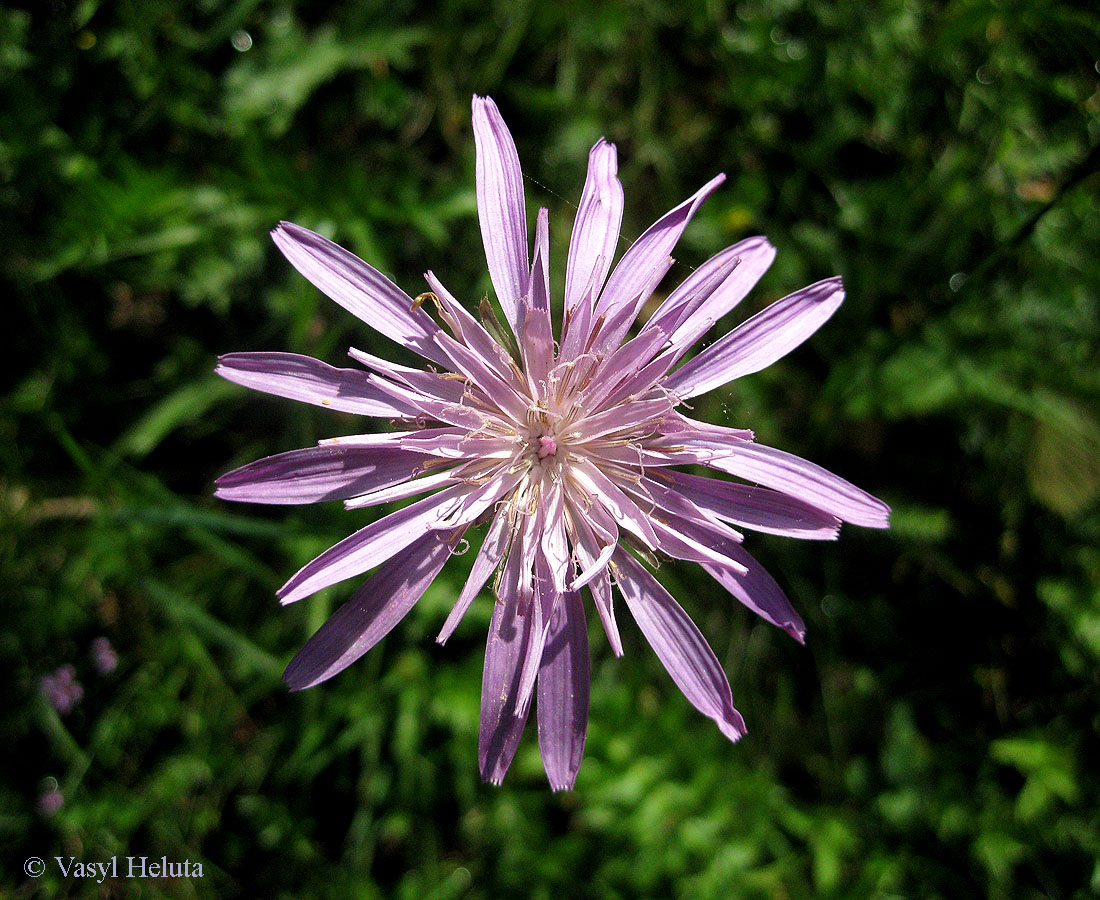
(565, 450)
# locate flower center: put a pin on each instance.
(547, 446)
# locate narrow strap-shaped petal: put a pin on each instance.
(431, 384)
(402, 491)
(360, 289)
(563, 693)
(611, 326)
(595, 235)
(754, 257)
(593, 241)
(463, 417)
(555, 546)
(475, 367)
(593, 551)
(577, 325)
(679, 645)
(798, 477)
(751, 506)
(505, 651)
(423, 439)
(598, 486)
(370, 546)
(647, 376)
(309, 380)
(319, 473)
(596, 541)
(738, 572)
(511, 581)
(654, 246)
(537, 345)
(759, 592)
(500, 208)
(467, 507)
(473, 334)
(538, 350)
(460, 444)
(627, 418)
(675, 509)
(678, 544)
(370, 614)
(667, 453)
(700, 303)
(538, 290)
(677, 423)
(488, 558)
(755, 344)
(693, 291)
(620, 368)
(539, 610)
(604, 598)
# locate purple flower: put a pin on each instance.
(62, 689)
(104, 657)
(50, 801)
(565, 450)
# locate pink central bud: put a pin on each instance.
(547, 446)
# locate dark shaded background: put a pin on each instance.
(938, 736)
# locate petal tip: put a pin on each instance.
(285, 230)
(733, 726)
(293, 679)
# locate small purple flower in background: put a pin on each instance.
(51, 800)
(104, 657)
(565, 450)
(62, 689)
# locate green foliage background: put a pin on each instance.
(939, 735)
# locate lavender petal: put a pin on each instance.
(563, 693)
(500, 208)
(679, 645)
(797, 477)
(758, 508)
(370, 614)
(430, 384)
(319, 473)
(505, 651)
(754, 255)
(759, 592)
(758, 342)
(360, 289)
(402, 491)
(473, 334)
(654, 246)
(679, 306)
(309, 380)
(594, 238)
(475, 368)
(488, 558)
(539, 610)
(369, 546)
(537, 345)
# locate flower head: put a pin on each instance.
(566, 450)
(62, 689)
(50, 800)
(104, 656)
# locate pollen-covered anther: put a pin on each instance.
(418, 300)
